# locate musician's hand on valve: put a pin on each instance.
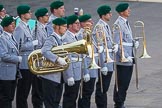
(70, 81)
(115, 48)
(35, 42)
(61, 61)
(104, 71)
(86, 77)
(100, 49)
(136, 44)
(130, 59)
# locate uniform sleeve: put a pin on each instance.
(46, 49)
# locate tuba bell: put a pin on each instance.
(40, 65)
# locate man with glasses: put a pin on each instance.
(9, 54)
(72, 75)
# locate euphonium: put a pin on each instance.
(140, 24)
(117, 28)
(39, 65)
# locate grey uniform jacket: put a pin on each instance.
(50, 25)
(87, 61)
(50, 42)
(127, 40)
(39, 33)
(108, 34)
(24, 38)
(9, 57)
(74, 69)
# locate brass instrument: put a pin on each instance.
(40, 65)
(87, 35)
(140, 24)
(101, 37)
(117, 28)
(115, 67)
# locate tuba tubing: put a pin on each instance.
(38, 64)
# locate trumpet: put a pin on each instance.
(116, 27)
(140, 24)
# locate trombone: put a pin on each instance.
(101, 38)
(139, 24)
(87, 35)
(116, 27)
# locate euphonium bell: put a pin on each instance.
(140, 24)
(39, 65)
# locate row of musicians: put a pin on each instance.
(17, 43)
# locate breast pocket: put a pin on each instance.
(127, 37)
(27, 37)
(12, 50)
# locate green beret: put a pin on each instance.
(6, 21)
(1, 7)
(71, 19)
(41, 12)
(23, 9)
(122, 7)
(56, 4)
(103, 10)
(84, 18)
(59, 21)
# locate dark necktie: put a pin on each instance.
(46, 31)
(28, 28)
(108, 29)
(76, 38)
(14, 41)
(127, 23)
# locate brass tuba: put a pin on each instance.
(40, 65)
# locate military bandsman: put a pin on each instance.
(90, 75)
(124, 69)
(10, 58)
(52, 84)
(72, 75)
(57, 11)
(26, 44)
